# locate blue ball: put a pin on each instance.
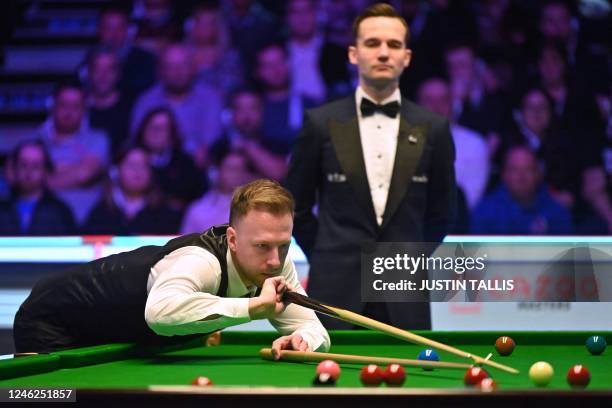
(596, 345)
(430, 355)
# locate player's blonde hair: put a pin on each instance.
(263, 195)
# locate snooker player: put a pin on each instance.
(195, 284)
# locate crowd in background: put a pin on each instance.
(181, 102)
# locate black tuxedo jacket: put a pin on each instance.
(334, 210)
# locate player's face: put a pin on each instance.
(380, 51)
(259, 243)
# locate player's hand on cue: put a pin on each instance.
(269, 303)
(292, 342)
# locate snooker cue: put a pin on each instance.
(359, 320)
(313, 356)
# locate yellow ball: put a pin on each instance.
(541, 373)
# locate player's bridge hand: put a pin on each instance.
(292, 342)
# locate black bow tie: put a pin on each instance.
(368, 108)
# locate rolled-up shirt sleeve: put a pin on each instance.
(181, 300)
(299, 320)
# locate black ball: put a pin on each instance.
(324, 379)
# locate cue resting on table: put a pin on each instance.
(313, 356)
(359, 320)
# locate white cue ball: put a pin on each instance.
(541, 373)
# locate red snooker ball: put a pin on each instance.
(371, 375)
(474, 375)
(329, 367)
(394, 375)
(202, 381)
(578, 376)
(505, 345)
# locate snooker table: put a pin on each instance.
(130, 375)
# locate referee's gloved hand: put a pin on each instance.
(269, 303)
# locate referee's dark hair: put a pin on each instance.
(379, 10)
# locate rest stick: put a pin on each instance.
(363, 321)
(313, 356)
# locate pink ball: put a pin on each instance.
(329, 367)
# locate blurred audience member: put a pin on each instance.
(251, 26)
(174, 171)
(304, 48)
(109, 107)
(471, 152)
(196, 106)
(214, 207)
(268, 158)
(157, 25)
(32, 209)
(574, 106)
(334, 65)
(131, 205)
(217, 64)
(79, 153)
(561, 156)
(138, 65)
(283, 107)
(433, 25)
(473, 107)
(521, 205)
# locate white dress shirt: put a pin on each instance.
(180, 300)
(379, 142)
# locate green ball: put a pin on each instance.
(596, 345)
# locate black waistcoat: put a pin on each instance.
(104, 300)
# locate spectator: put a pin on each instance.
(218, 65)
(213, 208)
(283, 107)
(433, 25)
(131, 205)
(267, 158)
(80, 154)
(196, 106)
(138, 65)
(334, 65)
(521, 205)
(251, 26)
(560, 155)
(473, 107)
(471, 153)
(157, 24)
(174, 171)
(304, 48)
(574, 106)
(109, 106)
(32, 209)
